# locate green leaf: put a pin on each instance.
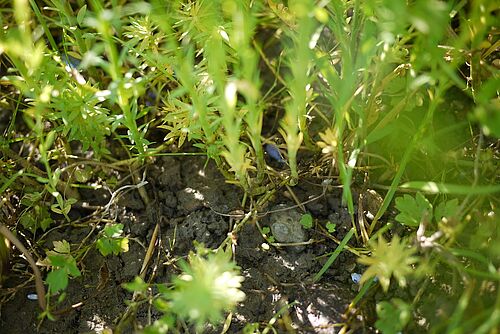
(392, 316)
(446, 209)
(82, 175)
(81, 14)
(62, 247)
(112, 242)
(57, 260)
(105, 246)
(306, 221)
(137, 285)
(28, 221)
(413, 210)
(72, 268)
(331, 227)
(113, 231)
(45, 223)
(394, 259)
(57, 280)
(31, 198)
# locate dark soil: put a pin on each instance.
(187, 200)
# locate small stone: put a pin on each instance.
(286, 227)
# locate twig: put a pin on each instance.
(40, 290)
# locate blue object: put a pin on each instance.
(356, 277)
(71, 62)
(274, 152)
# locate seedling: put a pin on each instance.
(63, 266)
(112, 241)
(306, 221)
(331, 227)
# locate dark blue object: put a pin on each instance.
(274, 152)
(72, 62)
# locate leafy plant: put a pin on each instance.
(306, 221)
(63, 266)
(208, 286)
(394, 259)
(413, 210)
(266, 231)
(331, 227)
(392, 315)
(111, 241)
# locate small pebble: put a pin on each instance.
(356, 277)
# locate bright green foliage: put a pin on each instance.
(306, 221)
(393, 316)
(112, 241)
(331, 227)
(402, 94)
(294, 122)
(394, 259)
(63, 266)
(209, 285)
(266, 231)
(413, 210)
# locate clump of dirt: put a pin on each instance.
(192, 203)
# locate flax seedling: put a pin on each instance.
(247, 74)
(124, 89)
(293, 125)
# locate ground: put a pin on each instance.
(191, 201)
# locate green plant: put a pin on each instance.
(394, 259)
(266, 231)
(413, 210)
(63, 266)
(393, 316)
(306, 221)
(208, 286)
(112, 241)
(331, 227)
(396, 95)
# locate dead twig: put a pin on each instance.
(40, 289)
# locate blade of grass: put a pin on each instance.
(448, 188)
(334, 255)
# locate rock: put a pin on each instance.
(286, 227)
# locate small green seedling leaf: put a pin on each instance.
(306, 221)
(413, 210)
(266, 233)
(112, 242)
(82, 175)
(331, 227)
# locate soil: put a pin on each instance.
(191, 202)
